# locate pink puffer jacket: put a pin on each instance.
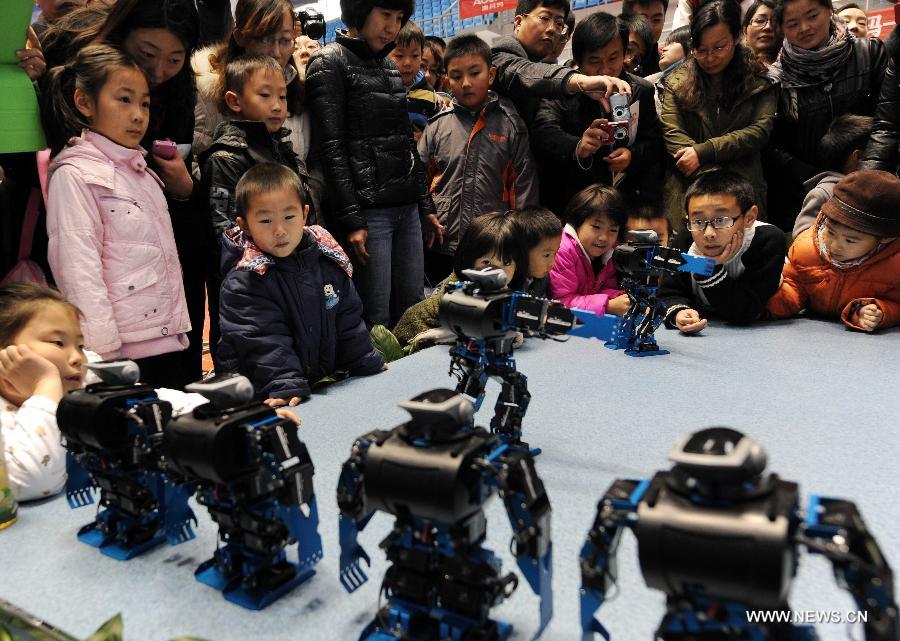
(112, 250)
(573, 282)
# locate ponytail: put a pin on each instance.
(87, 71)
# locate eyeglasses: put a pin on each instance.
(715, 52)
(558, 23)
(720, 222)
(761, 21)
(270, 41)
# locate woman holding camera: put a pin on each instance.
(718, 109)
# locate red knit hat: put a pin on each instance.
(867, 201)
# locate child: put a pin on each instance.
(491, 240)
(289, 313)
(256, 94)
(422, 101)
(649, 217)
(583, 275)
(376, 182)
(477, 153)
(847, 264)
(41, 354)
(540, 233)
(111, 249)
(721, 218)
(841, 149)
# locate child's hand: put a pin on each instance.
(27, 374)
(689, 321)
(687, 161)
(174, 174)
(281, 402)
(285, 413)
(618, 160)
(732, 248)
(869, 317)
(618, 305)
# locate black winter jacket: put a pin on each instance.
(793, 153)
(526, 81)
(883, 150)
(558, 127)
(291, 326)
(238, 146)
(359, 110)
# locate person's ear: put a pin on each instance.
(888, 239)
(242, 223)
(517, 22)
(305, 214)
(233, 101)
(84, 104)
(492, 75)
(853, 159)
(750, 217)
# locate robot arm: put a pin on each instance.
(528, 509)
(354, 518)
(835, 529)
(617, 509)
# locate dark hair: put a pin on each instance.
(780, 5)
(845, 134)
(263, 178)
(849, 5)
(596, 199)
(437, 40)
(73, 31)
(19, 302)
(682, 35)
(238, 72)
(493, 233)
(595, 32)
(629, 5)
(173, 102)
(778, 35)
(468, 45)
(255, 19)
(751, 12)
(355, 12)
(738, 76)
(88, 71)
(411, 34)
(649, 211)
(534, 224)
(527, 6)
(639, 25)
(722, 182)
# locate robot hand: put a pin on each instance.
(352, 574)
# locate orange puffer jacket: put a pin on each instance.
(810, 283)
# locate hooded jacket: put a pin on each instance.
(723, 139)
(557, 129)
(365, 141)
(238, 146)
(112, 250)
(287, 322)
(572, 280)
(819, 190)
(524, 80)
(476, 164)
(811, 283)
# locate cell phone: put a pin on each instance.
(165, 149)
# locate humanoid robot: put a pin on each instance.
(487, 318)
(721, 538)
(435, 473)
(254, 475)
(113, 432)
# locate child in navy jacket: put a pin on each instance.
(289, 312)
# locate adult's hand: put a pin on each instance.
(593, 138)
(174, 174)
(357, 240)
(687, 161)
(599, 88)
(618, 159)
(31, 58)
(433, 230)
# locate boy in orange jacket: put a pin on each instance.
(847, 265)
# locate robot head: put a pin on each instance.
(718, 461)
(488, 279)
(438, 415)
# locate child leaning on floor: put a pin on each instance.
(721, 224)
(847, 265)
(583, 275)
(289, 312)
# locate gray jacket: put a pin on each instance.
(818, 192)
(476, 164)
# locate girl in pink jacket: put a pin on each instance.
(112, 250)
(583, 275)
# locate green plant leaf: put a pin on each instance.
(385, 343)
(112, 630)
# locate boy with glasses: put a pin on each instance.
(749, 254)
(524, 79)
